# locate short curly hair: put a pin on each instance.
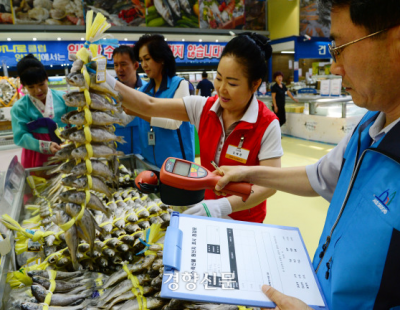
(277, 73)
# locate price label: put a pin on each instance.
(8, 196)
(15, 180)
(101, 62)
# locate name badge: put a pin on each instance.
(151, 137)
(237, 154)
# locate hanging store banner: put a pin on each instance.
(315, 21)
(56, 52)
(313, 49)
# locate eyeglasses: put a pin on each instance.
(335, 51)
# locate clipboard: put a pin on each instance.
(225, 261)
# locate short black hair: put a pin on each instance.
(374, 15)
(159, 51)
(204, 74)
(277, 73)
(251, 50)
(125, 49)
(31, 71)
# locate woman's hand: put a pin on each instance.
(276, 109)
(284, 302)
(54, 147)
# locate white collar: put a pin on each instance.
(376, 130)
(46, 110)
(251, 114)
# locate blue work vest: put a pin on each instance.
(167, 142)
(358, 257)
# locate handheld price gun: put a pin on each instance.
(181, 183)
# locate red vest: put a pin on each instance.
(210, 131)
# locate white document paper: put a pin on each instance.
(225, 260)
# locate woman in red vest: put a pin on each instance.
(234, 127)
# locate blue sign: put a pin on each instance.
(56, 53)
(312, 49)
(307, 91)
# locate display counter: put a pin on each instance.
(13, 187)
(316, 118)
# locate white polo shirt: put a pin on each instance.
(324, 174)
(271, 142)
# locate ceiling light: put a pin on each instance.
(8, 39)
(62, 65)
(8, 67)
(165, 39)
(51, 65)
(287, 52)
(58, 39)
(82, 39)
(216, 40)
(200, 40)
(126, 39)
(183, 40)
(34, 39)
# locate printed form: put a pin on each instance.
(228, 260)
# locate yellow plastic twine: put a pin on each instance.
(142, 302)
(23, 235)
(52, 277)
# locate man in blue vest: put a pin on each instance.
(358, 258)
(125, 66)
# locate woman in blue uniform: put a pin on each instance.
(161, 138)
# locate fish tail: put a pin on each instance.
(54, 170)
(121, 140)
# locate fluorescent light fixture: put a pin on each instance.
(216, 40)
(34, 39)
(58, 39)
(126, 39)
(183, 40)
(200, 40)
(82, 39)
(8, 39)
(287, 52)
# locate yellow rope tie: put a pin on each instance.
(89, 150)
(136, 285)
(88, 116)
(88, 134)
(105, 223)
(52, 276)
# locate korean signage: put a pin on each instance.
(56, 53)
(312, 49)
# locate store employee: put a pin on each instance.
(234, 127)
